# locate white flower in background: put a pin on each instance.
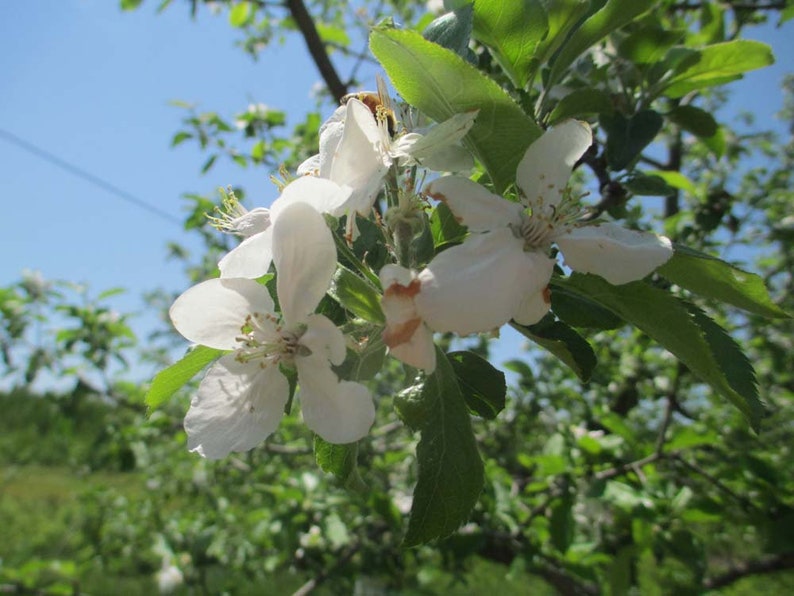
(406, 334)
(357, 149)
(502, 270)
(242, 397)
(252, 257)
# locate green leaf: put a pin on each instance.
(513, 31)
(627, 137)
(668, 320)
(562, 16)
(713, 278)
(482, 386)
(450, 471)
(357, 296)
(720, 63)
(364, 364)
(699, 122)
(445, 227)
(440, 83)
(333, 34)
(563, 342)
(580, 103)
(240, 14)
(675, 179)
(180, 137)
(613, 15)
(580, 311)
(786, 15)
(649, 44)
(130, 4)
(209, 163)
(562, 522)
(649, 186)
(452, 30)
(168, 381)
(339, 460)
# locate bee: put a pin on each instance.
(378, 103)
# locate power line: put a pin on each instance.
(87, 176)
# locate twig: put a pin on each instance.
(316, 48)
(321, 577)
(768, 565)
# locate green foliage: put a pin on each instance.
(170, 380)
(442, 84)
(450, 473)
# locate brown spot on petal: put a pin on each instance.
(547, 295)
(443, 199)
(395, 335)
(398, 291)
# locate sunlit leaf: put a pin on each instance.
(513, 31)
(357, 295)
(452, 30)
(720, 63)
(441, 84)
(168, 381)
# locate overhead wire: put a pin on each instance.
(87, 176)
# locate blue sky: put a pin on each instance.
(92, 85)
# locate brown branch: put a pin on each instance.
(762, 566)
(316, 48)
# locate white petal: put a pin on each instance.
(419, 350)
(533, 307)
(361, 160)
(438, 137)
(543, 173)
(213, 312)
(340, 412)
(325, 196)
(454, 158)
(310, 167)
(473, 205)
(323, 338)
(305, 258)
(237, 406)
(251, 258)
(615, 253)
(395, 274)
(479, 285)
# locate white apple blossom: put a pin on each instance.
(407, 336)
(252, 257)
(357, 150)
(242, 397)
(502, 270)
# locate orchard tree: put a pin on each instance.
(550, 165)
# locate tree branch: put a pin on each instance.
(767, 565)
(316, 48)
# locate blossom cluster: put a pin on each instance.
(369, 162)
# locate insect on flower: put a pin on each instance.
(378, 103)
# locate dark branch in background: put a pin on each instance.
(734, 6)
(316, 48)
(769, 565)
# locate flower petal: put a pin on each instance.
(473, 205)
(534, 306)
(213, 312)
(325, 196)
(418, 350)
(615, 253)
(479, 285)
(305, 258)
(340, 412)
(237, 406)
(424, 147)
(361, 160)
(251, 258)
(324, 338)
(543, 173)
